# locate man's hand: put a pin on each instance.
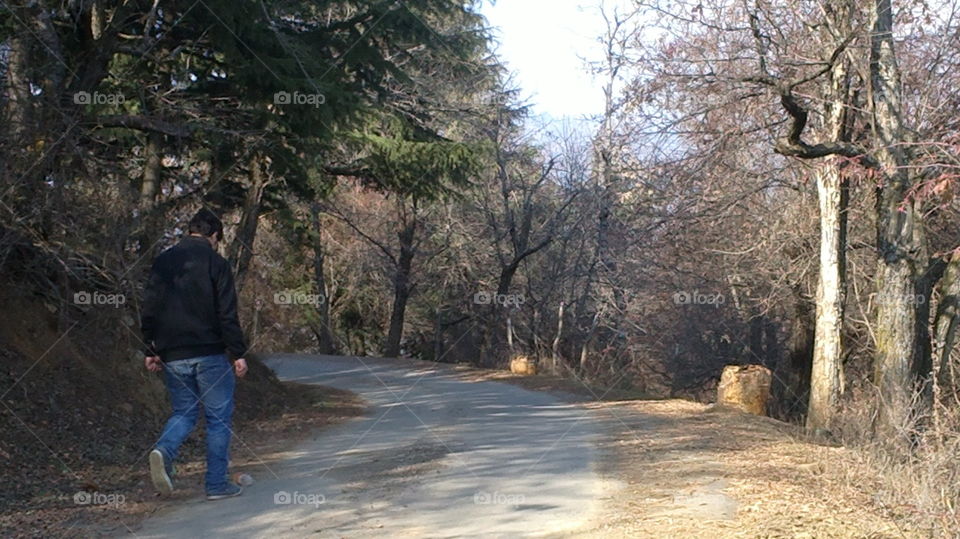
(153, 363)
(240, 367)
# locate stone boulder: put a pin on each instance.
(523, 365)
(746, 387)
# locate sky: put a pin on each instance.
(544, 43)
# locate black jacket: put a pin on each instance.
(190, 304)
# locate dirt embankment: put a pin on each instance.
(78, 414)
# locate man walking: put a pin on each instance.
(189, 323)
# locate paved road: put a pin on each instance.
(436, 456)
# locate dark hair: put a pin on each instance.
(206, 223)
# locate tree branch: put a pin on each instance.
(793, 145)
(144, 123)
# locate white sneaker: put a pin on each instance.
(158, 473)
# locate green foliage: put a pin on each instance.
(418, 169)
(286, 79)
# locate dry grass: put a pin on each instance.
(693, 470)
(915, 472)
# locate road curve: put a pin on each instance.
(436, 456)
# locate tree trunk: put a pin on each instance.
(240, 252)
(500, 308)
(401, 289)
(555, 346)
(585, 347)
(826, 373)
(149, 187)
(945, 324)
(437, 336)
(18, 129)
(771, 348)
(791, 384)
(825, 386)
(324, 333)
(506, 277)
(18, 90)
(151, 172)
(923, 369)
(755, 339)
(899, 241)
(832, 194)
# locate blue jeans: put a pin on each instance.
(207, 380)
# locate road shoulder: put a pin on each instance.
(696, 470)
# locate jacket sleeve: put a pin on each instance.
(149, 312)
(230, 328)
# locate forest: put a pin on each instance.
(770, 182)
